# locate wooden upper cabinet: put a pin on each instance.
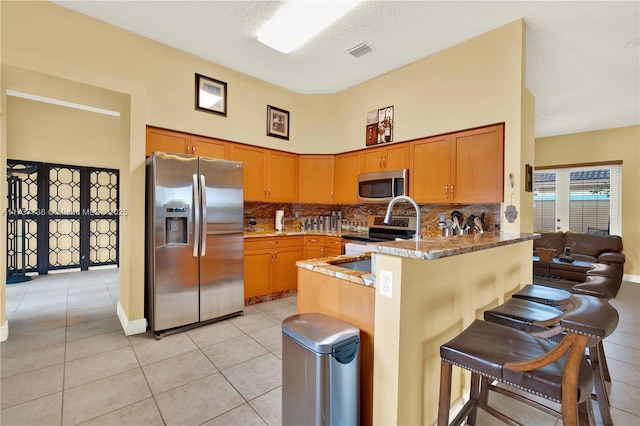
(463, 167)
(479, 167)
(282, 176)
(208, 147)
(347, 168)
(316, 179)
(253, 170)
(393, 157)
(430, 172)
(268, 175)
(166, 141)
(184, 143)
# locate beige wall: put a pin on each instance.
(605, 145)
(80, 59)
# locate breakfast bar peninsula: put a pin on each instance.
(426, 292)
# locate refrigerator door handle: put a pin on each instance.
(203, 228)
(196, 216)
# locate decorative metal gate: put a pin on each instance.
(63, 217)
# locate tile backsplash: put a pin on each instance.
(294, 214)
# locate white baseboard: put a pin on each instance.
(4, 331)
(632, 278)
(131, 327)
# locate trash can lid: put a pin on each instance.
(318, 332)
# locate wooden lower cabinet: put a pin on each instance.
(318, 246)
(270, 264)
(332, 246)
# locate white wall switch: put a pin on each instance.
(386, 283)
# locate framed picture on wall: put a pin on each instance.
(277, 122)
(211, 95)
(528, 178)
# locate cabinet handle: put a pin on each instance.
(384, 162)
(380, 162)
(452, 194)
(331, 195)
(314, 240)
(273, 243)
(446, 191)
(193, 149)
(322, 252)
(265, 193)
(268, 192)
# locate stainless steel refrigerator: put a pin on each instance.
(194, 241)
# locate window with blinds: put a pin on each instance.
(578, 199)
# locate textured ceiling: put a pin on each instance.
(579, 65)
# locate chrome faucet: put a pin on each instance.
(387, 217)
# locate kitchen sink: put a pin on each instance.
(363, 265)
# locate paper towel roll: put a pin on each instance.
(279, 220)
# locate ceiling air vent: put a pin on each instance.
(359, 50)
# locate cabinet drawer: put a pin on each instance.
(332, 242)
(271, 243)
(313, 240)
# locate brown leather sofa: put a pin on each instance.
(584, 248)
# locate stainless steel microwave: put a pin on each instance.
(381, 187)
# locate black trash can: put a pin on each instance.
(320, 371)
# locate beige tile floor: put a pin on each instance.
(67, 362)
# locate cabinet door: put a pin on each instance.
(282, 181)
(286, 272)
(257, 272)
(166, 141)
(371, 160)
(332, 246)
(316, 179)
(479, 167)
(253, 171)
(430, 173)
(346, 181)
(396, 157)
(208, 147)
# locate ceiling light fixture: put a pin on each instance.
(297, 21)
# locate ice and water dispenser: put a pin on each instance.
(176, 224)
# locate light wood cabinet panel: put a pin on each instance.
(282, 177)
(257, 272)
(479, 166)
(253, 170)
(208, 147)
(349, 302)
(462, 167)
(313, 246)
(270, 265)
(286, 273)
(316, 179)
(347, 168)
(394, 157)
(165, 141)
(268, 175)
(332, 246)
(430, 173)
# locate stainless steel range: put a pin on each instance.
(402, 227)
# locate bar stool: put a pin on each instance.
(533, 317)
(557, 371)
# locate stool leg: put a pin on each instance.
(603, 362)
(474, 395)
(444, 403)
(601, 392)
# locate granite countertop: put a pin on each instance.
(291, 233)
(434, 248)
(331, 266)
